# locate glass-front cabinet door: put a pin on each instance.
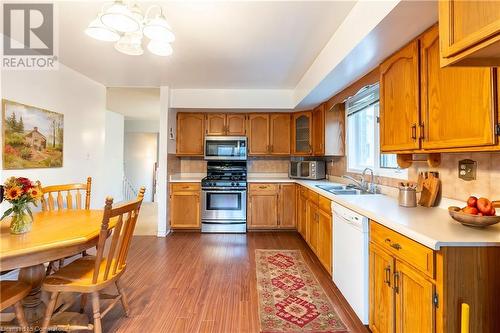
(302, 133)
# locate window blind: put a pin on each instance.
(365, 97)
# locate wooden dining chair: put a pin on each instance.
(65, 196)
(12, 292)
(90, 275)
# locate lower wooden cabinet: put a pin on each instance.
(325, 239)
(271, 206)
(314, 223)
(312, 226)
(184, 208)
(287, 204)
(381, 290)
(415, 308)
(402, 296)
(302, 211)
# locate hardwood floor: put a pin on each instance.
(191, 282)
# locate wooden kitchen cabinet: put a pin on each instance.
(258, 134)
(279, 135)
(302, 133)
(225, 124)
(190, 134)
(287, 203)
(271, 206)
(415, 308)
(470, 32)
(216, 124)
(184, 205)
(236, 124)
(318, 120)
(399, 100)
(458, 108)
(401, 286)
(381, 292)
(302, 211)
(312, 233)
(458, 103)
(325, 239)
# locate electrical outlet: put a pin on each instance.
(467, 170)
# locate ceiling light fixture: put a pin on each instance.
(160, 48)
(125, 24)
(101, 32)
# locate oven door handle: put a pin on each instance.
(224, 189)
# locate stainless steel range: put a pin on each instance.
(224, 197)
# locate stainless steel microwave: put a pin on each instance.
(232, 148)
(307, 169)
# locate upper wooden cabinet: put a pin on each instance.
(302, 133)
(458, 103)
(225, 124)
(399, 100)
(236, 124)
(470, 32)
(318, 141)
(216, 124)
(279, 126)
(190, 134)
(258, 134)
(458, 106)
(269, 134)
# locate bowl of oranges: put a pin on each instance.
(478, 213)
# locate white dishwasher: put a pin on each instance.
(350, 258)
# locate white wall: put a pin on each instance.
(138, 103)
(114, 142)
(142, 125)
(82, 101)
(140, 155)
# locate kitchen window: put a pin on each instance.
(363, 136)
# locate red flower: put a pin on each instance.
(25, 183)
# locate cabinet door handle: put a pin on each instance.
(387, 271)
(422, 133)
(396, 282)
(414, 132)
(396, 246)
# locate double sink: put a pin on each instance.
(340, 189)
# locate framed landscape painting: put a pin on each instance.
(32, 137)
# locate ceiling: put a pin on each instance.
(219, 44)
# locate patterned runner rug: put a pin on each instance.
(290, 297)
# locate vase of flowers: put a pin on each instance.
(21, 192)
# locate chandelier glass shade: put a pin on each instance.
(126, 25)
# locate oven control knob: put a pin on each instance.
(233, 184)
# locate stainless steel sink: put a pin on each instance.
(339, 189)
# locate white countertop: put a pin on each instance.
(432, 227)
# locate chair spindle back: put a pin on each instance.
(119, 235)
(71, 194)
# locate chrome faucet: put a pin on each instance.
(358, 184)
(362, 184)
(371, 186)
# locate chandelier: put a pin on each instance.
(126, 25)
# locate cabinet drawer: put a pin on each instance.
(313, 196)
(403, 248)
(179, 187)
(325, 204)
(263, 188)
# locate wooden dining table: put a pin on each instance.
(54, 235)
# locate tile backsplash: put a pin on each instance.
(487, 181)
(255, 165)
